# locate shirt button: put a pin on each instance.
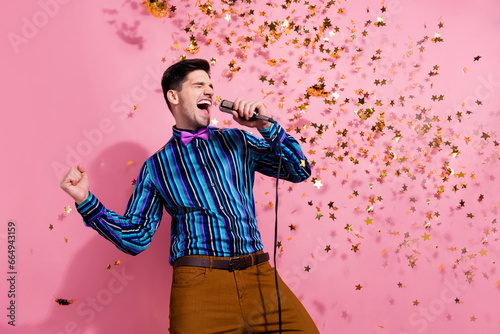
(221, 207)
(212, 184)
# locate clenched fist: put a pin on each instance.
(76, 184)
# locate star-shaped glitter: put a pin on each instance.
(318, 184)
(355, 248)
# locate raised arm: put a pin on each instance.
(133, 231)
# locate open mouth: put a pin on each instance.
(204, 105)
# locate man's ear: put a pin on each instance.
(173, 97)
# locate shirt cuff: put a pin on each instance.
(272, 133)
(90, 209)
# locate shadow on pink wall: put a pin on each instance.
(131, 296)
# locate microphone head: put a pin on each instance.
(226, 106)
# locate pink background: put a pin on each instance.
(412, 229)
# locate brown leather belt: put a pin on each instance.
(235, 263)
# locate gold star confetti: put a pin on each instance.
(374, 118)
(64, 302)
(355, 248)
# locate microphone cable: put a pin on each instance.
(227, 107)
(276, 230)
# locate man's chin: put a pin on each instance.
(204, 122)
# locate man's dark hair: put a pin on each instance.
(176, 74)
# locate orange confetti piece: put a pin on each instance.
(272, 62)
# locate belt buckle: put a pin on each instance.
(236, 263)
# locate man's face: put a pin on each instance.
(195, 101)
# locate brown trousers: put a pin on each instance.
(205, 300)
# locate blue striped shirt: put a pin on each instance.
(207, 188)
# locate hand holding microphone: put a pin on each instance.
(248, 113)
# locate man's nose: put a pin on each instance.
(208, 91)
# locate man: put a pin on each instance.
(222, 280)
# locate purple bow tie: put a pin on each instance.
(186, 136)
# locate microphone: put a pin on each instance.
(227, 107)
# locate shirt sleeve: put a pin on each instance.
(133, 231)
(294, 167)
